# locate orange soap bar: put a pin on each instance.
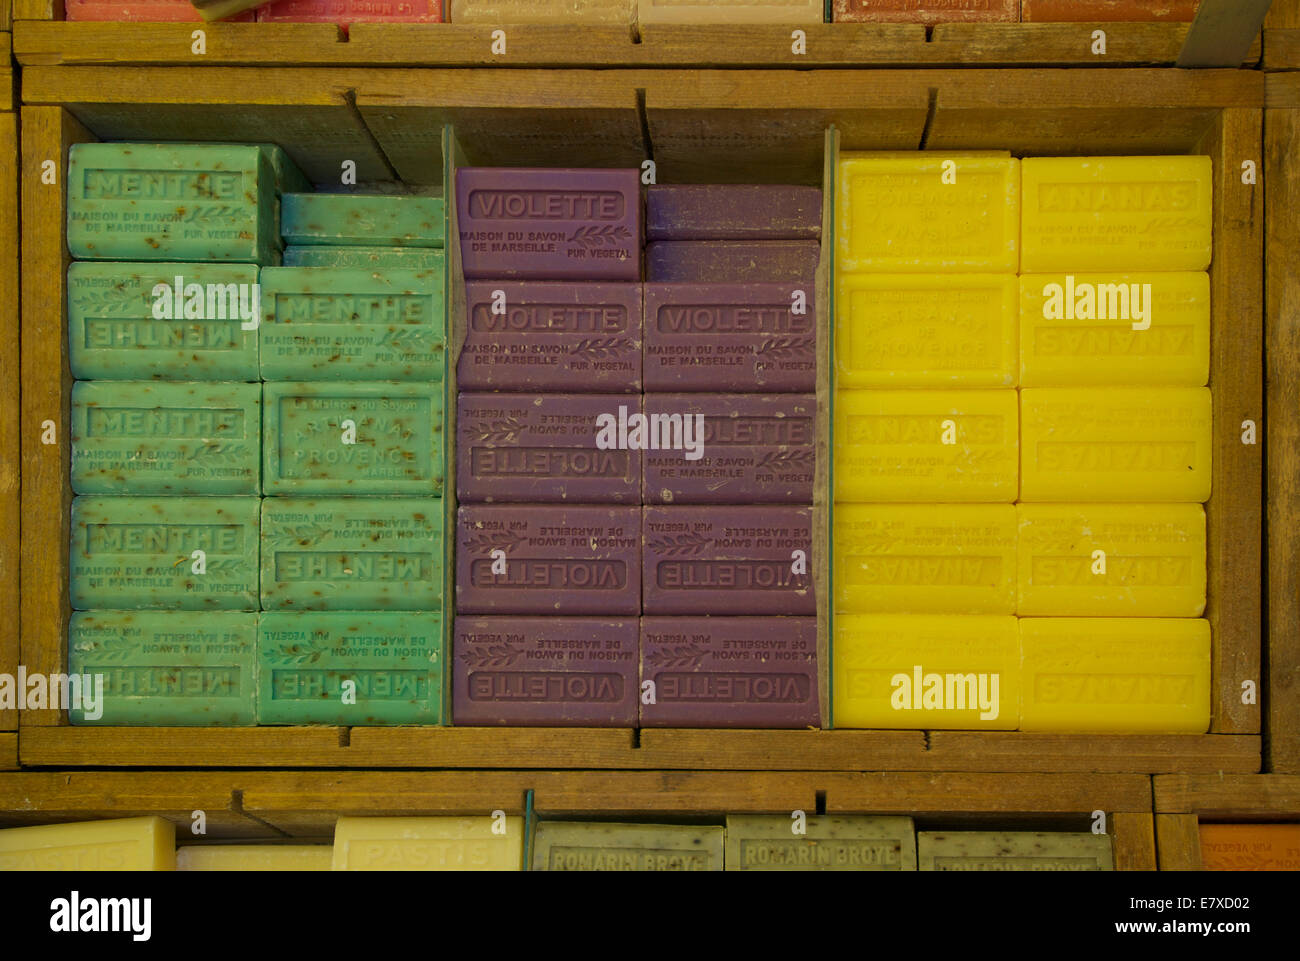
(1089, 11)
(1250, 847)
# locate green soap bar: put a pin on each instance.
(119, 328)
(166, 669)
(762, 842)
(134, 553)
(349, 220)
(172, 202)
(397, 447)
(326, 323)
(394, 662)
(288, 178)
(352, 554)
(138, 437)
(578, 846)
(370, 258)
(1012, 851)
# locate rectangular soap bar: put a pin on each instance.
(765, 842)
(254, 857)
(351, 11)
(114, 332)
(1090, 11)
(137, 11)
(926, 330)
(895, 214)
(928, 12)
(732, 261)
(141, 437)
(171, 202)
(1013, 851)
(1116, 213)
(1115, 675)
(166, 668)
(926, 446)
(352, 554)
(584, 846)
(550, 559)
(137, 553)
(394, 660)
(729, 11)
(731, 337)
(126, 844)
(428, 844)
(212, 10)
(1122, 445)
(927, 672)
(1112, 560)
(732, 212)
(360, 220)
(563, 12)
(1250, 847)
(925, 558)
(1116, 329)
(368, 258)
(332, 323)
(728, 560)
(747, 672)
(546, 449)
(551, 337)
(546, 671)
(737, 448)
(397, 448)
(549, 224)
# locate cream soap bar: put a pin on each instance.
(763, 842)
(729, 11)
(254, 857)
(128, 844)
(1013, 851)
(428, 844)
(577, 846)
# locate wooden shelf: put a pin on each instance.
(1182, 801)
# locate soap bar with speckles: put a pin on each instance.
(728, 560)
(563, 12)
(125, 844)
(732, 261)
(360, 220)
(346, 12)
(254, 857)
(548, 559)
(929, 12)
(547, 671)
(1106, 11)
(352, 554)
(368, 258)
(164, 668)
(331, 323)
(1250, 847)
(138, 553)
(133, 437)
(729, 11)
(394, 661)
(742, 672)
(138, 11)
(397, 449)
(765, 842)
(1013, 851)
(733, 212)
(172, 202)
(114, 334)
(581, 846)
(428, 844)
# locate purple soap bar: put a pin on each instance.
(732, 261)
(745, 449)
(545, 449)
(548, 671)
(537, 559)
(728, 560)
(737, 337)
(541, 224)
(729, 672)
(551, 337)
(732, 212)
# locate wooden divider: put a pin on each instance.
(9, 412)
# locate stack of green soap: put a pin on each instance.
(365, 231)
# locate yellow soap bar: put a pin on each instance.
(1116, 213)
(128, 844)
(429, 844)
(926, 213)
(926, 330)
(925, 558)
(1112, 560)
(926, 446)
(254, 857)
(1082, 330)
(1118, 445)
(1117, 675)
(926, 672)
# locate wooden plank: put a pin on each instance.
(1248, 797)
(928, 795)
(1178, 842)
(92, 43)
(632, 793)
(10, 504)
(1147, 754)
(1222, 33)
(1134, 838)
(669, 748)
(1282, 36)
(6, 74)
(1283, 13)
(37, 10)
(8, 752)
(1067, 44)
(6, 15)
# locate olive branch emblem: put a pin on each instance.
(212, 455)
(492, 655)
(411, 338)
(303, 535)
(488, 540)
(109, 649)
(500, 431)
(678, 655)
(600, 346)
(672, 545)
(779, 347)
(596, 235)
(800, 457)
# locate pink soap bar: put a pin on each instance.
(542, 559)
(729, 672)
(544, 449)
(732, 261)
(929, 12)
(351, 11)
(728, 560)
(549, 224)
(141, 11)
(548, 671)
(730, 337)
(746, 449)
(551, 337)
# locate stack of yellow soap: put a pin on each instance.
(1033, 446)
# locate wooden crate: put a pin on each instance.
(695, 124)
(1183, 801)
